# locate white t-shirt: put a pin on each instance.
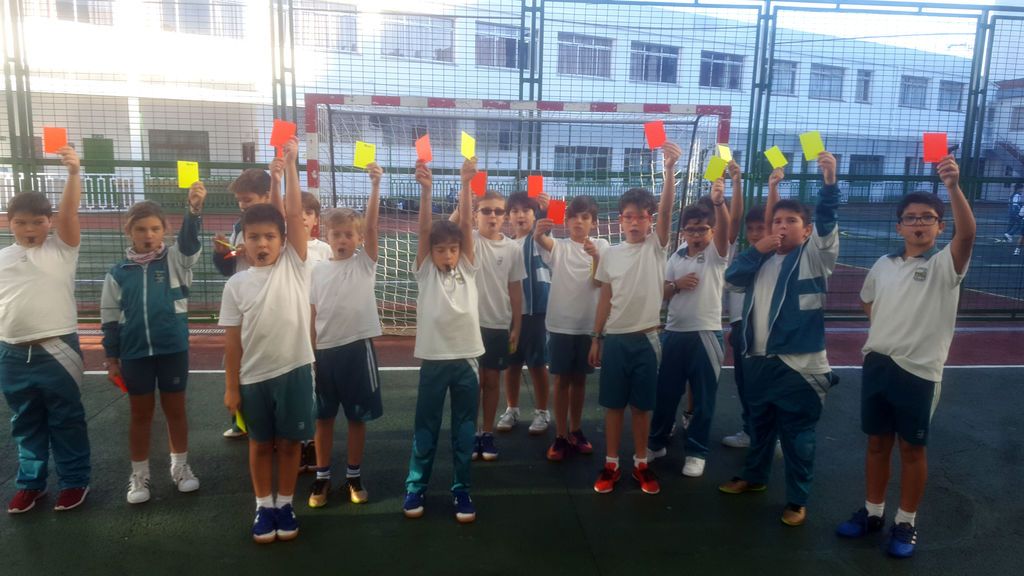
(271, 304)
(572, 300)
(317, 251)
(913, 310)
(636, 273)
(700, 308)
(447, 312)
(346, 305)
(500, 262)
(37, 291)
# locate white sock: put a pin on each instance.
(514, 409)
(141, 468)
(179, 459)
(637, 461)
(264, 502)
(875, 509)
(281, 500)
(613, 461)
(903, 516)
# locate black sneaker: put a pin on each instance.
(318, 492)
(477, 448)
(307, 458)
(356, 493)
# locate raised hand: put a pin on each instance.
(827, 165)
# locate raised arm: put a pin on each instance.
(670, 154)
(722, 224)
(276, 174)
(466, 174)
(426, 181)
(370, 239)
(964, 227)
(188, 235)
(827, 209)
(67, 215)
(777, 176)
(297, 235)
(541, 236)
(736, 206)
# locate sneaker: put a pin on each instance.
(687, 418)
(556, 453)
(778, 449)
(488, 451)
(465, 512)
(902, 540)
(413, 506)
(541, 419)
(738, 440)
(860, 524)
(647, 479)
(24, 500)
(356, 493)
(694, 467)
(606, 479)
(580, 443)
(653, 455)
(508, 420)
(1008, 237)
(263, 527)
(1016, 251)
(476, 448)
(233, 432)
(184, 479)
(740, 486)
(287, 523)
(138, 488)
(318, 493)
(307, 459)
(70, 498)
(794, 515)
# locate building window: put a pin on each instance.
(914, 92)
(864, 86)
(653, 63)
(1017, 118)
(325, 25)
(951, 96)
(583, 162)
(405, 130)
(85, 11)
(637, 160)
(718, 70)
(826, 82)
(784, 77)
(499, 46)
(210, 17)
(497, 134)
(865, 164)
(584, 55)
(171, 145)
(418, 37)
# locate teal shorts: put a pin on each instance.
(895, 401)
(282, 407)
(629, 370)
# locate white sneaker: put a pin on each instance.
(508, 420)
(184, 478)
(687, 417)
(1016, 251)
(138, 488)
(653, 455)
(778, 449)
(737, 440)
(541, 419)
(233, 433)
(1008, 237)
(694, 467)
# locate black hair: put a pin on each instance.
(34, 203)
(927, 198)
(262, 214)
(581, 204)
(144, 209)
(445, 232)
(522, 200)
(755, 214)
(639, 197)
(251, 180)
(698, 211)
(793, 206)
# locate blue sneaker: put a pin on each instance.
(465, 512)
(860, 524)
(488, 451)
(287, 523)
(413, 506)
(902, 540)
(264, 527)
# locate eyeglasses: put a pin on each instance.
(927, 220)
(492, 211)
(697, 230)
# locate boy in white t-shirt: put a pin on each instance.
(571, 305)
(268, 354)
(692, 342)
(632, 275)
(345, 321)
(911, 298)
(318, 250)
(448, 342)
(40, 360)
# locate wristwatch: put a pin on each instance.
(597, 335)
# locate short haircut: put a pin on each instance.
(252, 180)
(445, 232)
(310, 202)
(337, 217)
(144, 209)
(522, 201)
(262, 214)
(927, 198)
(793, 206)
(754, 215)
(580, 205)
(34, 203)
(698, 211)
(488, 195)
(639, 197)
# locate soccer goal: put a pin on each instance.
(597, 149)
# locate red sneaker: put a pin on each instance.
(648, 481)
(606, 479)
(71, 498)
(556, 453)
(24, 500)
(578, 441)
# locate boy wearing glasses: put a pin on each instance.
(692, 349)
(911, 299)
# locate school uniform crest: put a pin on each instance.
(501, 259)
(921, 274)
(159, 276)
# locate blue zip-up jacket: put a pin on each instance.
(797, 314)
(144, 308)
(537, 283)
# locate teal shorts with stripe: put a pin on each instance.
(282, 407)
(629, 370)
